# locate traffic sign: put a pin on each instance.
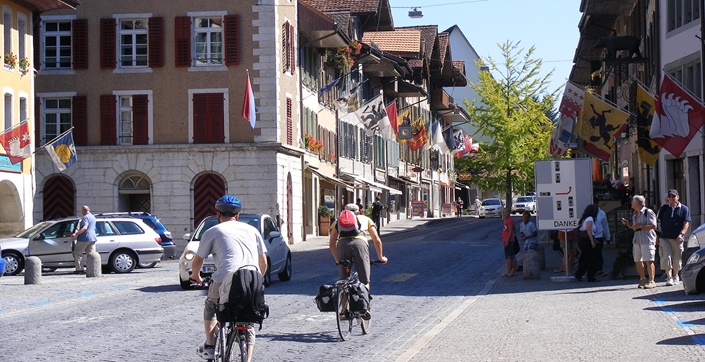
(563, 191)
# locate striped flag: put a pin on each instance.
(248, 104)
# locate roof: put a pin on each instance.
(443, 44)
(46, 5)
(428, 38)
(397, 41)
(354, 6)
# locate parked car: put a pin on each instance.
(693, 273)
(491, 207)
(122, 243)
(2, 264)
(278, 253)
(156, 225)
(524, 203)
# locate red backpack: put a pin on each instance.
(348, 225)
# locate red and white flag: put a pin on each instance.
(569, 110)
(17, 143)
(392, 114)
(677, 118)
(248, 104)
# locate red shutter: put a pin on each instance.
(36, 37)
(38, 122)
(182, 38)
(200, 117)
(232, 51)
(79, 120)
(79, 45)
(208, 118)
(289, 123)
(216, 108)
(285, 47)
(156, 42)
(107, 43)
(292, 50)
(108, 131)
(140, 118)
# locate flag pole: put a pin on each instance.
(53, 140)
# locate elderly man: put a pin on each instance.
(643, 222)
(674, 218)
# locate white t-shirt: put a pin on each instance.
(233, 245)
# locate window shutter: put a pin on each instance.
(107, 43)
(108, 123)
(79, 120)
(232, 51)
(289, 123)
(200, 117)
(285, 47)
(182, 38)
(216, 109)
(37, 59)
(38, 122)
(79, 43)
(140, 119)
(292, 50)
(156, 42)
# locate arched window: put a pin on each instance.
(135, 194)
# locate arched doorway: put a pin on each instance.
(58, 198)
(135, 194)
(207, 188)
(289, 209)
(11, 211)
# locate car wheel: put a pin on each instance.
(14, 262)
(123, 261)
(148, 265)
(268, 275)
(185, 285)
(285, 275)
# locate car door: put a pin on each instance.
(275, 245)
(107, 238)
(54, 245)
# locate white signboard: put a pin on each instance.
(563, 191)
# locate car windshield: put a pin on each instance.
(491, 202)
(32, 231)
(250, 219)
(525, 199)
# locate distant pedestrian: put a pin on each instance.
(478, 203)
(529, 233)
(510, 242)
(377, 208)
(460, 206)
(643, 222)
(360, 207)
(587, 243)
(85, 238)
(674, 219)
(602, 236)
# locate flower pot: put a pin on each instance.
(323, 225)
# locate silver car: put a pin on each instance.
(122, 244)
(278, 253)
(693, 275)
(491, 207)
(524, 203)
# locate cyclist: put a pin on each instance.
(233, 245)
(356, 248)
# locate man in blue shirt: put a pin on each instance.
(85, 238)
(674, 218)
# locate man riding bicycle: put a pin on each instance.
(234, 245)
(356, 248)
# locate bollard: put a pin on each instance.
(93, 265)
(531, 268)
(542, 255)
(32, 270)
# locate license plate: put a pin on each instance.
(208, 269)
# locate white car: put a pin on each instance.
(491, 207)
(278, 253)
(123, 243)
(524, 203)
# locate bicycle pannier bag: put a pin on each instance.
(325, 298)
(359, 297)
(348, 224)
(246, 299)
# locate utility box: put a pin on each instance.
(563, 191)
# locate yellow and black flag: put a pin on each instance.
(645, 105)
(599, 123)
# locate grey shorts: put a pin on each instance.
(211, 304)
(644, 252)
(359, 251)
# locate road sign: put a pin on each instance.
(563, 190)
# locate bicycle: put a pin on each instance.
(228, 332)
(343, 313)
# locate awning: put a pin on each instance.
(332, 179)
(373, 184)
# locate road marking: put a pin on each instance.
(423, 340)
(401, 277)
(698, 339)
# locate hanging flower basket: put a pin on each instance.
(10, 60)
(24, 66)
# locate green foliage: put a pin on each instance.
(324, 211)
(513, 112)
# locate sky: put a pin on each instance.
(551, 26)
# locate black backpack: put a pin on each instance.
(246, 299)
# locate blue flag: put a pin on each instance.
(448, 136)
(328, 87)
(62, 151)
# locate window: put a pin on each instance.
(208, 117)
(57, 44)
(7, 29)
(8, 111)
(57, 117)
(128, 227)
(23, 109)
(125, 120)
(208, 40)
(132, 42)
(688, 74)
(103, 228)
(682, 12)
(288, 48)
(21, 37)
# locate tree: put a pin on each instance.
(513, 111)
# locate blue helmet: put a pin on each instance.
(228, 203)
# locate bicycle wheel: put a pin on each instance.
(365, 325)
(341, 302)
(220, 334)
(231, 350)
(243, 346)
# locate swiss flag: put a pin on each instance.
(17, 143)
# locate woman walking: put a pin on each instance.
(587, 243)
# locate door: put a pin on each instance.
(107, 240)
(54, 244)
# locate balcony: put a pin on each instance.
(441, 100)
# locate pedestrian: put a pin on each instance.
(460, 206)
(674, 219)
(360, 207)
(587, 244)
(478, 203)
(643, 222)
(602, 236)
(529, 233)
(377, 208)
(84, 237)
(511, 245)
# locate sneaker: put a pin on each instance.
(676, 280)
(642, 283)
(669, 282)
(650, 285)
(206, 352)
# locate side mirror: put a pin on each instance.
(273, 235)
(187, 236)
(39, 237)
